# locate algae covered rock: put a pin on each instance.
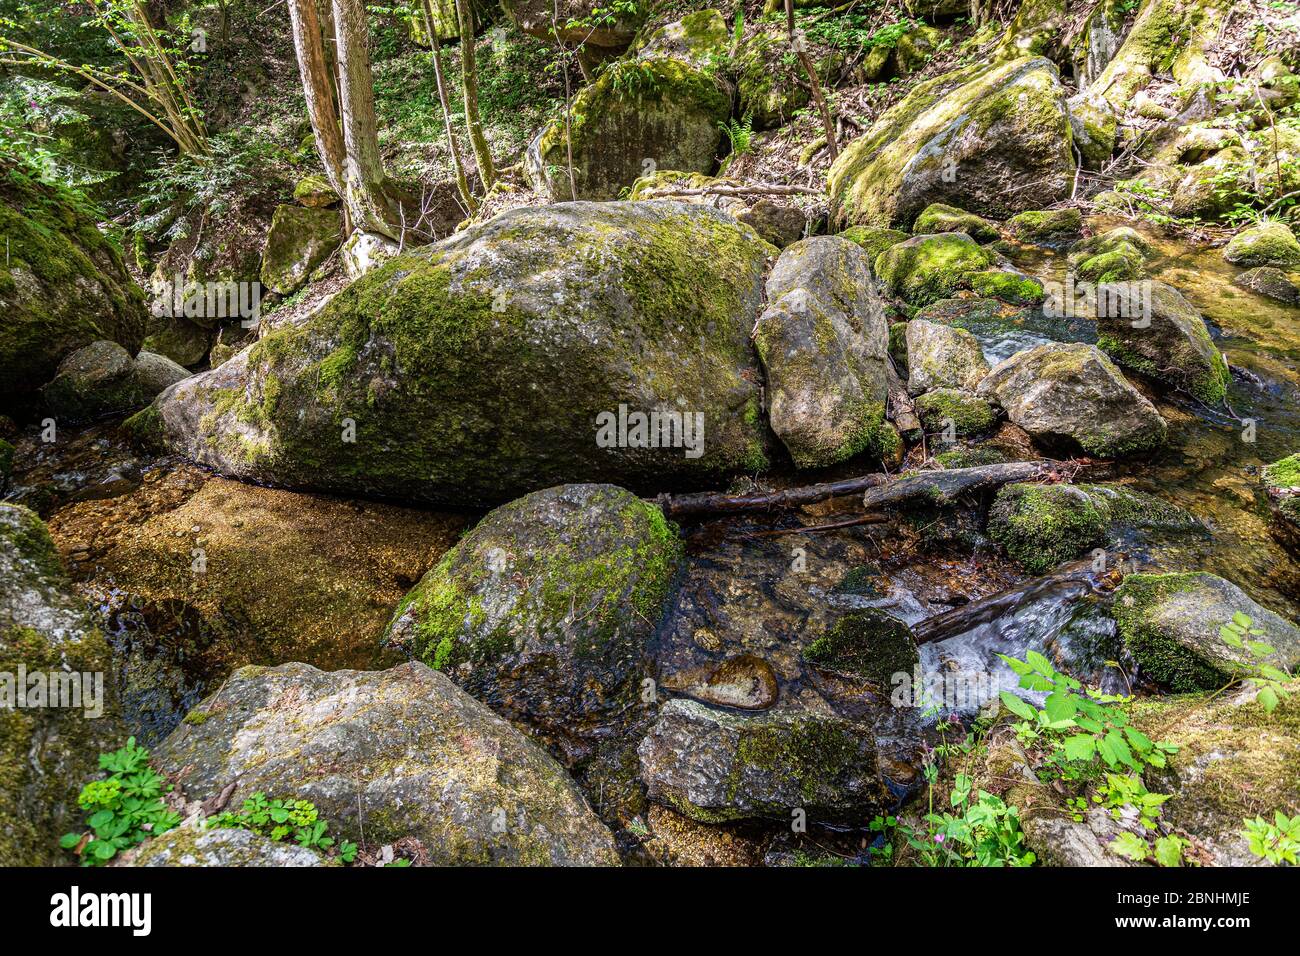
(62, 285)
(938, 217)
(1046, 227)
(544, 609)
(1282, 481)
(1072, 393)
(866, 643)
(968, 415)
(823, 341)
(300, 239)
(1149, 327)
(874, 240)
(657, 111)
(1043, 525)
(1094, 126)
(992, 139)
(942, 356)
(1265, 244)
(1114, 256)
(579, 341)
(925, 269)
(1270, 282)
(1170, 624)
(1013, 287)
(396, 753)
(314, 192)
(224, 846)
(714, 766)
(47, 753)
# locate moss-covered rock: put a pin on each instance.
(654, 110)
(496, 362)
(939, 217)
(1043, 525)
(1013, 287)
(770, 87)
(575, 22)
(1217, 186)
(299, 240)
(1270, 282)
(1073, 394)
(200, 845)
(184, 342)
(701, 39)
(1118, 255)
(1149, 327)
(1094, 128)
(714, 766)
(388, 754)
(867, 643)
(314, 192)
(1265, 244)
(942, 356)
(95, 380)
(1170, 624)
(544, 609)
(62, 284)
(925, 269)
(47, 753)
(823, 342)
(874, 240)
(779, 223)
(968, 414)
(990, 139)
(1282, 482)
(1046, 227)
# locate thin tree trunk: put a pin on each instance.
(318, 88)
(469, 77)
(832, 147)
(462, 184)
(363, 169)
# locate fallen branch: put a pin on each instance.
(945, 487)
(902, 411)
(759, 190)
(714, 504)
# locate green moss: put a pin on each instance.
(872, 240)
(970, 457)
(867, 643)
(1266, 244)
(926, 269)
(1284, 473)
(938, 218)
(806, 751)
(1043, 525)
(969, 414)
(1008, 287)
(1046, 226)
(1166, 661)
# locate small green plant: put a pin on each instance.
(124, 809)
(284, 819)
(1240, 633)
(1167, 850)
(1276, 842)
(985, 831)
(739, 133)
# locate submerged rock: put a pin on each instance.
(225, 846)
(824, 342)
(391, 754)
(1150, 328)
(1270, 282)
(992, 139)
(867, 643)
(714, 766)
(544, 609)
(588, 341)
(1073, 393)
(62, 285)
(47, 753)
(1170, 623)
(745, 682)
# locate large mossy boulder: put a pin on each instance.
(1151, 328)
(715, 766)
(823, 341)
(576, 22)
(103, 379)
(300, 239)
(47, 753)
(1072, 395)
(1047, 227)
(1265, 244)
(544, 609)
(925, 269)
(771, 88)
(642, 113)
(939, 217)
(1170, 624)
(388, 754)
(942, 356)
(579, 341)
(994, 140)
(62, 285)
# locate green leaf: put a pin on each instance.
(1080, 747)
(69, 840)
(1039, 663)
(1060, 706)
(1130, 846)
(1017, 706)
(1169, 851)
(1268, 697)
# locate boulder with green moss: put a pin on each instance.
(578, 341)
(700, 39)
(1118, 255)
(715, 766)
(314, 192)
(874, 240)
(103, 379)
(1071, 395)
(300, 239)
(1094, 128)
(866, 643)
(386, 755)
(1014, 287)
(1170, 624)
(1216, 186)
(1265, 244)
(779, 223)
(47, 753)
(925, 269)
(62, 284)
(656, 110)
(544, 610)
(942, 356)
(1282, 482)
(200, 845)
(1043, 525)
(939, 217)
(1047, 227)
(1270, 282)
(991, 139)
(968, 414)
(823, 343)
(184, 342)
(1149, 327)
(771, 86)
(577, 22)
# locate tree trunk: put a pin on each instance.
(462, 184)
(364, 181)
(487, 173)
(814, 84)
(318, 88)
